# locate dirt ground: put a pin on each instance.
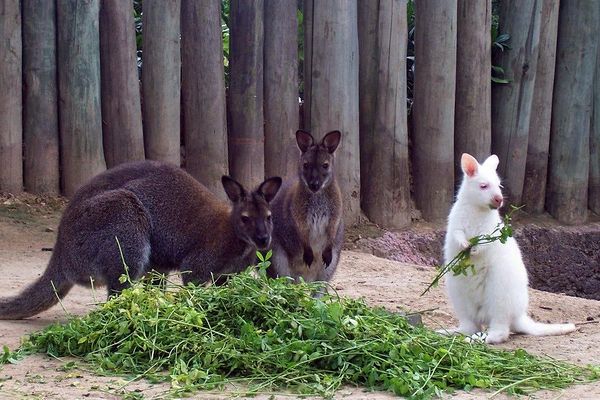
(27, 231)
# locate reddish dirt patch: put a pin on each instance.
(560, 259)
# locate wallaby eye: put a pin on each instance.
(325, 165)
(245, 219)
(483, 186)
(269, 218)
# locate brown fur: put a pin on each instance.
(164, 219)
(307, 214)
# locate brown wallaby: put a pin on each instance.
(308, 231)
(164, 219)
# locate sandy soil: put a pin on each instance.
(392, 284)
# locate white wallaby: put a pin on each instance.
(496, 294)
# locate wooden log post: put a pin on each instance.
(331, 88)
(281, 87)
(11, 127)
(79, 92)
(246, 137)
(203, 93)
(161, 79)
(511, 102)
(385, 191)
(121, 107)
(536, 168)
(433, 109)
(40, 98)
(594, 181)
(472, 121)
(576, 51)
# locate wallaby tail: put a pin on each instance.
(38, 296)
(530, 327)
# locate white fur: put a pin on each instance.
(496, 295)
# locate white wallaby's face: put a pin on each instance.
(481, 184)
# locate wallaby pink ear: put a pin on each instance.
(332, 140)
(269, 188)
(304, 140)
(233, 189)
(491, 162)
(469, 164)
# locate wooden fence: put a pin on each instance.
(72, 103)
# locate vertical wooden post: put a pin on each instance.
(79, 92)
(331, 101)
(386, 190)
(368, 19)
(576, 50)
(473, 119)
(161, 79)
(536, 168)
(246, 137)
(203, 93)
(121, 107)
(511, 102)
(281, 87)
(594, 181)
(40, 98)
(434, 101)
(11, 127)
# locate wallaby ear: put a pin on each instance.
(492, 162)
(234, 190)
(269, 188)
(332, 140)
(304, 140)
(469, 164)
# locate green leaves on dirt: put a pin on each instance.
(256, 334)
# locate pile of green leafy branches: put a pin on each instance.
(256, 334)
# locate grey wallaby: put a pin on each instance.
(164, 219)
(308, 231)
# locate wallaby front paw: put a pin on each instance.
(475, 250)
(308, 256)
(327, 256)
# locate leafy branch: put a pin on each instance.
(461, 263)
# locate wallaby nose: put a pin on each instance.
(262, 241)
(314, 186)
(497, 201)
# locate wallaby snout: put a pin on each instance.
(497, 201)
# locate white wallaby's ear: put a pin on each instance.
(469, 164)
(233, 189)
(492, 162)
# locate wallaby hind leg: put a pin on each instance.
(92, 233)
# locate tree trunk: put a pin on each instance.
(161, 79)
(331, 101)
(203, 93)
(368, 19)
(472, 123)
(79, 92)
(121, 107)
(594, 181)
(433, 110)
(570, 133)
(386, 190)
(281, 87)
(536, 168)
(512, 102)
(40, 102)
(11, 127)
(246, 137)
